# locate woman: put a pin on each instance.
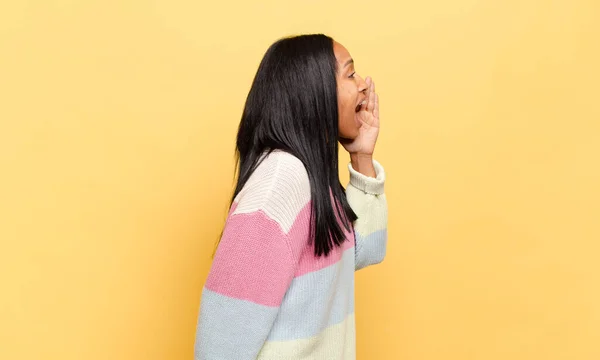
(281, 285)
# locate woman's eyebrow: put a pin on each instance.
(351, 61)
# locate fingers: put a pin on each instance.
(371, 101)
(376, 110)
(370, 91)
(374, 103)
(369, 82)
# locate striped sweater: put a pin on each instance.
(267, 296)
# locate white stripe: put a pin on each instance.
(370, 209)
(337, 342)
(279, 187)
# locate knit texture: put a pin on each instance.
(267, 296)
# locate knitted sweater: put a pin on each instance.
(267, 296)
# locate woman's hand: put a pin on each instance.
(363, 145)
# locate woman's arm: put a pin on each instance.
(253, 267)
(366, 197)
(365, 191)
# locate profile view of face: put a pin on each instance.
(351, 89)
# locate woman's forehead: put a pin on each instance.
(341, 53)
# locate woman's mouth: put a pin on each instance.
(359, 106)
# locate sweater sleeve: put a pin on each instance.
(253, 266)
(366, 197)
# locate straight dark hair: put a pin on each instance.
(292, 106)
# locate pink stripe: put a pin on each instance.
(233, 207)
(308, 261)
(252, 241)
(252, 261)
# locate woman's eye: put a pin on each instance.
(352, 75)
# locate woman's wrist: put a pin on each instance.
(363, 163)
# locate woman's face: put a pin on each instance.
(351, 89)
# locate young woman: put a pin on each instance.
(281, 285)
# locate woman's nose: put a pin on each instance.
(362, 85)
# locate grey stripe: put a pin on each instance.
(230, 328)
(316, 300)
(370, 249)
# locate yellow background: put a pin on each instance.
(116, 150)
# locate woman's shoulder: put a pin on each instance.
(281, 172)
(281, 166)
(279, 186)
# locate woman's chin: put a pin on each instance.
(351, 136)
(357, 122)
(348, 137)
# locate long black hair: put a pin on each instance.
(292, 106)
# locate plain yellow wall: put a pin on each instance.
(116, 150)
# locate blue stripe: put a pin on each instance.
(316, 300)
(230, 328)
(370, 249)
